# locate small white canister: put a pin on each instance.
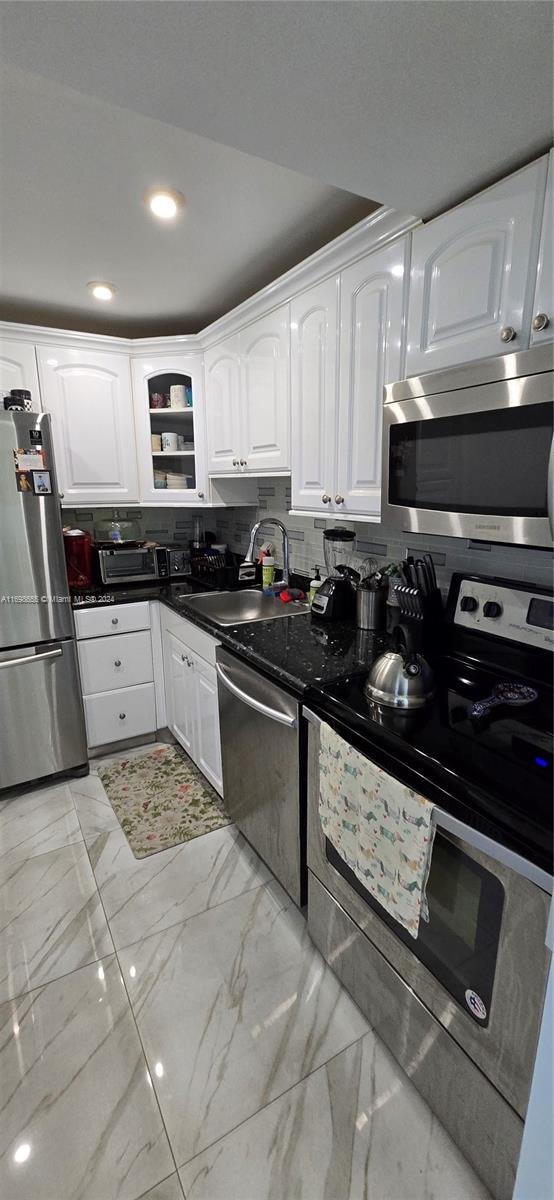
(170, 441)
(177, 395)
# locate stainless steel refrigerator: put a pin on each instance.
(42, 727)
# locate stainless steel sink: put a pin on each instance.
(236, 608)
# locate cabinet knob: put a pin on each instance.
(61, 495)
(117, 662)
(122, 716)
(235, 462)
(540, 322)
(184, 658)
(243, 462)
(115, 620)
(325, 498)
(507, 333)
(200, 495)
(339, 499)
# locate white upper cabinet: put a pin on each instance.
(314, 345)
(248, 399)
(175, 471)
(265, 392)
(542, 323)
(473, 275)
(371, 325)
(222, 371)
(18, 369)
(89, 396)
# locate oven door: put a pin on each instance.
(472, 461)
(126, 566)
(479, 964)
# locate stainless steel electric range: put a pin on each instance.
(460, 1006)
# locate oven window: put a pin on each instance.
(493, 462)
(459, 942)
(127, 563)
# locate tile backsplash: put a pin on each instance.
(306, 538)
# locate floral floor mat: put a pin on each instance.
(161, 799)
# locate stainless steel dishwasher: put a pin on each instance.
(261, 750)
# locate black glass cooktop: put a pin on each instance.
(491, 768)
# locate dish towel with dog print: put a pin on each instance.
(382, 829)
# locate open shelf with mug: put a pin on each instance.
(168, 420)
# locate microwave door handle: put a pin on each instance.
(264, 709)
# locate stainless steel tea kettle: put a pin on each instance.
(400, 678)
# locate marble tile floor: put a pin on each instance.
(168, 1030)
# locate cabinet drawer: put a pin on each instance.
(116, 662)
(114, 618)
(126, 713)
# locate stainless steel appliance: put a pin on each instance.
(400, 678)
(460, 1006)
(468, 452)
(260, 750)
(127, 564)
(173, 561)
(42, 728)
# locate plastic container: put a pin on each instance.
(268, 571)
(315, 584)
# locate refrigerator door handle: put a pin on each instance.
(30, 658)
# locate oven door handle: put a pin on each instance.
(550, 490)
(473, 837)
(264, 709)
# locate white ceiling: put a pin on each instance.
(74, 173)
(415, 102)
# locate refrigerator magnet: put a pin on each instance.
(28, 460)
(42, 485)
(23, 481)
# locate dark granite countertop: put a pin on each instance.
(298, 651)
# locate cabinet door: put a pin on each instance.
(314, 338)
(18, 369)
(89, 396)
(544, 297)
(472, 275)
(221, 367)
(207, 749)
(158, 468)
(265, 392)
(372, 294)
(179, 690)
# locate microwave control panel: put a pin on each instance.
(514, 613)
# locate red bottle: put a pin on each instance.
(78, 557)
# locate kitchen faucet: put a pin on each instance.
(247, 568)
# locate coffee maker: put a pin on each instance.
(335, 600)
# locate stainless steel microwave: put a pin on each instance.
(468, 452)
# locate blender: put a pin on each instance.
(336, 598)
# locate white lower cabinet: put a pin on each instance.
(117, 672)
(191, 693)
(208, 742)
(125, 713)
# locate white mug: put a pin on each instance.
(177, 395)
(170, 441)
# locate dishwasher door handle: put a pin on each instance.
(264, 709)
(30, 658)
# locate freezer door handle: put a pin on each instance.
(264, 709)
(30, 658)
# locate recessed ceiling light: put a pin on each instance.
(165, 203)
(101, 291)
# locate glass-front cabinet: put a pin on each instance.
(169, 422)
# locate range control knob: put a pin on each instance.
(469, 604)
(492, 609)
